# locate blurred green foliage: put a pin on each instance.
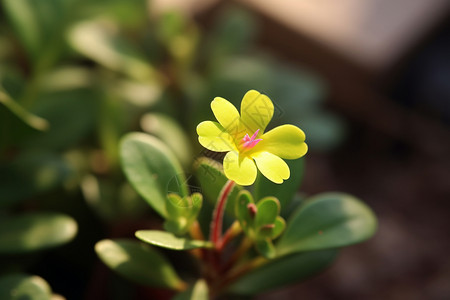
(76, 75)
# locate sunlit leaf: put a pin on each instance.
(152, 169)
(68, 78)
(171, 133)
(57, 297)
(182, 212)
(101, 41)
(24, 287)
(170, 241)
(139, 263)
(35, 231)
(142, 94)
(199, 291)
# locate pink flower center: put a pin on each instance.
(250, 142)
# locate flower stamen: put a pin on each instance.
(250, 142)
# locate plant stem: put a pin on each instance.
(234, 230)
(196, 231)
(216, 225)
(197, 234)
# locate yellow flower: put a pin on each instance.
(243, 137)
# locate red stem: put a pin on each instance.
(216, 225)
(231, 233)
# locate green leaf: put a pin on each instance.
(196, 205)
(143, 94)
(139, 263)
(31, 173)
(175, 226)
(187, 207)
(175, 206)
(26, 117)
(265, 248)
(35, 231)
(68, 78)
(268, 210)
(101, 41)
(129, 15)
(283, 271)
(273, 231)
(210, 175)
(242, 212)
(171, 133)
(72, 115)
(182, 212)
(285, 192)
(280, 225)
(170, 241)
(327, 220)
(199, 291)
(39, 25)
(151, 169)
(23, 286)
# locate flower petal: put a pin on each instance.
(226, 114)
(271, 166)
(240, 169)
(214, 137)
(256, 112)
(285, 141)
